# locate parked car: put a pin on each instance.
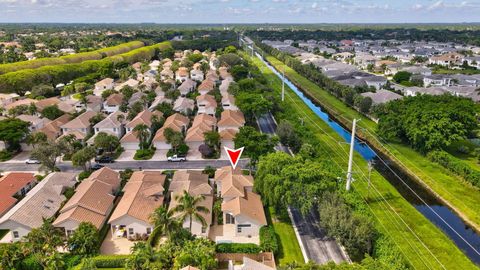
(177, 158)
(104, 159)
(96, 166)
(32, 161)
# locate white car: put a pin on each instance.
(177, 158)
(32, 161)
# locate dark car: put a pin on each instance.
(104, 159)
(97, 166)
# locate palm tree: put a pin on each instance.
(142, 134)
(164, 222)
(189, 208)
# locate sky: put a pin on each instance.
(240, 11)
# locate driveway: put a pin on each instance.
(20, 157)
(113, 245)
(194, 154)
(160, 155)
(127, 155)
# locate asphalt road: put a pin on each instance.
(121, 165)
(318, 247)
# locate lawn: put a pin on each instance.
(289, 247)
(458, 194)
(423, 244)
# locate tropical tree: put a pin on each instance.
(12, 131)
(164, 222)
(42, 243)
(52, 112)
(142, 133)
(174, 138)
(198, 253)
(36, 138)
(212, 139)
(47, 153)
(189, 208)
(83, 156)
(256, 144)
(142, 257)
(84, 240)
(106, 141)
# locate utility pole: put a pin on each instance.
(350, 158)
(370, 168)
(283, 84)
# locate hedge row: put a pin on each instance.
(456, 166)
(70, 59)
(23, 80)
(238, 248)
(268, 239)
(106, 261)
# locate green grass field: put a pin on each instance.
(422, 244)
(289, 247)
(461, 196)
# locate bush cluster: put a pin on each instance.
(268, 239)
(455, 166)
(237, 248)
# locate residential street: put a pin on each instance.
(120, 165)
(318, 247)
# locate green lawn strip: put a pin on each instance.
(289, 248)
(386, 220)
(461, 195)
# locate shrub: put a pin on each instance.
(456, 166)
(69, 192)
(268, 239)
(5, 155)
(110, 261)
(83, 175)
(30, 263)
(144, 154)
(237, 248)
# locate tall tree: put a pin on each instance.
(12, 131)
(84, 240)
(189, 208)
(83, 157)
(256, 144)
(164, 224)
(47, 153)
(142, 132)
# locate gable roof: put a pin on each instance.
(143, 193)
(183, 104)
(52, 129)
(144, 117)
(115, 99)
(43, 201)
(249, 206)
(111, 121)
(43, 103)
(175, 121)
(228, 134)
(233, 182)
(194, 182)
(206, 85)
(11, 184)
(231, 118)
(208, 100)
(81, 121)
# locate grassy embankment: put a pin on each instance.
(423, 245)
(454, 191)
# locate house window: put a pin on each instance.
(229, 219)
(149, 230)
(15, 234)
(204, 229)
(240, 226)
(114, 129)
(130, 231)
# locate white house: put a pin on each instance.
(113, 103)
(206, 104)
(196, 75)
(105, 84)
(176, 122)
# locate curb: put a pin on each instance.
(299, 239)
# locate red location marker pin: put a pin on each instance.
(234, 155)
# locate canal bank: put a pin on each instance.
(422, 199)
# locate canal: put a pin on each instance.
(426, 203)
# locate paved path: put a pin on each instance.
(318, 247)
(121, 165)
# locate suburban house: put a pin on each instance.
(231, 120)
(92, 201)
(112, 103)
(176, 122)
(20, 102)
(166, 73)
(130, 140)
(227, 136)
(228, 102)
(184, 105)
(201, 123)
(243, 212)
(224, 87)
(46, 102)
(80, 126)
(381, 96)
(196, 184)
(181, 74)
(113, 124)
(447, 59)
(12, 186)
(6, 99)
(43, 201)
(196, 75)
(36, 122)
(94, 103)
(187, 86)
(142, 194)
(53, 129)
(130, 82)
(212, 76)
(206, 104)
(105, 84)
(436, 80)
(205, 87)
(415, 90)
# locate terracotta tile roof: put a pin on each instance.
(189, 181)
(114, 99)
(105, 82)
(77, 134)
(233, 183)
(43, 201)
(92, 200)
(249, 206)
(144, 117)
(204, 119)
(82, 121)
(208, 100)
(228, 134)
(130, 137)
(182, 104)
(33, 119)
(10, 184)
(42, 104)
(143, 193)
(26, 101)
(66, 107)
(52, 129)
(195, 134)
(175, 122)
(111, 121)
(206, 85)
(231, 118)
